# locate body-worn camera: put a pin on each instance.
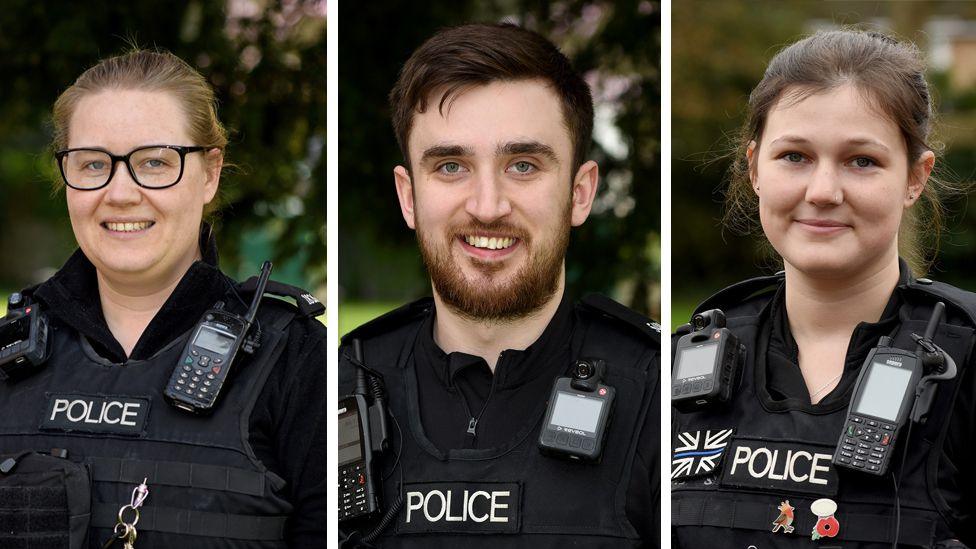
(206, 360)
(706, 363)
(23, 339)
(578, 415)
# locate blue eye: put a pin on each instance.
(523, 167)
(793, 157)
(864, 162)
(450, 168)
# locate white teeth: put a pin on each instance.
(493, 243)
(128, 227)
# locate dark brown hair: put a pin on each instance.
(891, 76)
(457, 58)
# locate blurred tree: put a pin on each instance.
(266, 61)
(615, 44)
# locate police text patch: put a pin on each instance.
(461, 507)
(786, 466)
(124, 415)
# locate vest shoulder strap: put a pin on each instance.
(762, 287)
(307, 304)
(391, 321)
(632, 321)
(963, 301)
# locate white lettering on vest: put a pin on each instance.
(419, 501)
(85, 411)
(765, 463)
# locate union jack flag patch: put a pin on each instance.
(699, 452)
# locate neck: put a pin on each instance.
(819, 307)
(129, 304)
(487, 339)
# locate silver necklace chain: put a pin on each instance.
(820, 390)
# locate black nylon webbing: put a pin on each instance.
(195, 523)
(860, 527)
(172, 473)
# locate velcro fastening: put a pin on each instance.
(173, 473)
(196, 523)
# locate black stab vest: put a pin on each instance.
(726, 508)
(550, 502)
(206, 487)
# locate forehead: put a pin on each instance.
(482, 117)
(838, 115)
(120, 120)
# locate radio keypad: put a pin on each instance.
(352, 491)
(866, 444)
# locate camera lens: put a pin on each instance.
(583, 370)
(699, 322)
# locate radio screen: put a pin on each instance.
(349, 447)
(881, 395)
(576, 412)
(212, 340)
(696, 361)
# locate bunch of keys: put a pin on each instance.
(126, 530)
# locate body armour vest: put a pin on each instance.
(206, 487)
(747, 473)
(513, 496)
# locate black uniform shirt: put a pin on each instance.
(957, 477)
(287, 425)
(456, 387)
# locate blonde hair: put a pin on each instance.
(147, 71)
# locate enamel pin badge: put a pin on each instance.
(785, 519)
(827, 526)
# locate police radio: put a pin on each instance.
(576, 420)
(207, 358)
(887, 396)
(23, 338)
(707, 361)
(362, 436)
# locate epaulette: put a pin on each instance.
(391, 320)
(603, 305)
(308, 305)
(739, 292)
(957, 297)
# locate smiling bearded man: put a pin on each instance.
(495, 126)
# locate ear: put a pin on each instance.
(404, 189)
(584, 191)
(213, 162)
(919, 176)
(751, 162)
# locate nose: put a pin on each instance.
(824, 188)
(122, 189)
(488, 200)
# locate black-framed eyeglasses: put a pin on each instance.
(152, 166)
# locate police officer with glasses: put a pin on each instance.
(120, 433)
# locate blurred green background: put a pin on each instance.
(266, 61)
(616, 45)
(719, 51)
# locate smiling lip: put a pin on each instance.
(127, 228)
(488, 246)
(822, 226)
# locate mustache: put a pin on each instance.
(502, 228)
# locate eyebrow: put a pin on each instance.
(856, 141)
(527, 147)
(442, 151)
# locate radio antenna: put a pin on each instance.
(259, 292)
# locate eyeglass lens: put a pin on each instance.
(152, 167)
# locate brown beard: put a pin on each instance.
(486, 300)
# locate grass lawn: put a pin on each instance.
(681, 309)
(357, 313)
